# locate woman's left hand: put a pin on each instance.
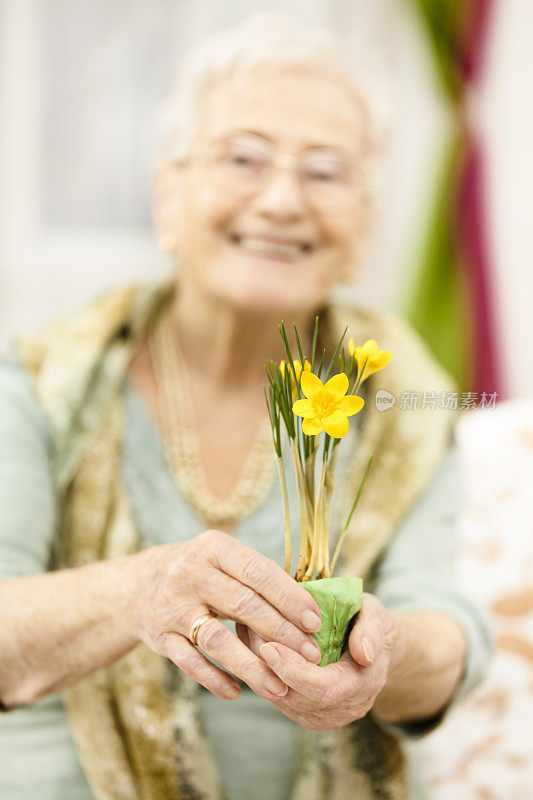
(329, 697)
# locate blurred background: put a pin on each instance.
(80, 87)
(81, 82)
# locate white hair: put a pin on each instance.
(260, 40)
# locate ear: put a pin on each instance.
(166, 202)
(363, 235)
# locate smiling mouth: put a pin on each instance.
(271, 246)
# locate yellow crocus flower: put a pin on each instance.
(327, 406)
(370, 353)
(297, 371)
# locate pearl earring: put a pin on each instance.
(167, 242)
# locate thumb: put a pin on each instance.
(368, 632)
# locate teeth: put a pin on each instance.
(261, 245)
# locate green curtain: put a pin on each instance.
(435, 303)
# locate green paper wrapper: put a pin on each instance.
(339, 599)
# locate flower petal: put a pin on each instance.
(336, 424)
(311, 427)
(304, 408)
(383, 359)
(371, 348)
(363, 364)
(310, 383)
(350, 404)
(337, 386)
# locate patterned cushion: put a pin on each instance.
(483, 749)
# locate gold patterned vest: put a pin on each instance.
(138, 732)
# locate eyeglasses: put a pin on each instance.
(244, 165)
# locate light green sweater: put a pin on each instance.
(253, 742)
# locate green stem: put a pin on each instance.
(286, 512)
(304, 509)
(317, 549)
(343, 534)
(310, 475)
(330, 483)
(359, 376)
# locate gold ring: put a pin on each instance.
(197, 624)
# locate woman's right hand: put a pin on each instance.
(215, 573)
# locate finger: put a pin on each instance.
(180, 651)
(250, 638)
(323, 685)
(367, 637)
(266, 578)
(256, 642)
(226, 648)
(232, 599)
(243, 633)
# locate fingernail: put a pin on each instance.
(276, 687)
(368, 648)
(311, 652)
(311, 621)
(269, 653)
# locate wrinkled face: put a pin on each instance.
(268, 212)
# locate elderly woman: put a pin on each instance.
(139, 515)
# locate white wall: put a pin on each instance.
(506, 120)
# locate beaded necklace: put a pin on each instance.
(181, 438)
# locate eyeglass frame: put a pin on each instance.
(280, 160)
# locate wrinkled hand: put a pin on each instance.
(214, 573)
(329, 697)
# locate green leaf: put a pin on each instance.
(332, 362)
(313, 349)
(339, 599)
(299, 346)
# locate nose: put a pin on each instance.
(281, 198)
